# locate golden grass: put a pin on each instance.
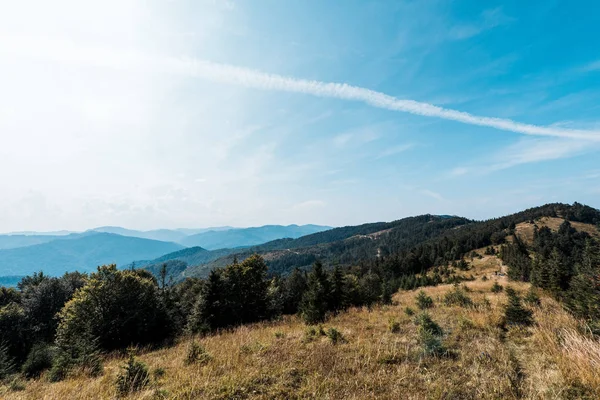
(525, 230)
(278, 360)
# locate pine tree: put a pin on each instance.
(313, 307)
(208, 313)
(336, 299)
(294, 288)
(514, 312)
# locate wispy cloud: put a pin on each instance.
(395, 150)
(526, 151)
(432, 194)
(489, 20)
(254, 79)
(229, 74)
(593, 66)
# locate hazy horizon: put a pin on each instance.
(170, 114)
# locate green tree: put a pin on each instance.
(209, 311)
(423, 301)
(117, 307)
(313, 307)
(336, 300)
(294, 287)
(514, 312)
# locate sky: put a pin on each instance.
(164, 114)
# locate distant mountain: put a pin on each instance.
(178, 261)
(35, 233)
(243, 237)
(13, 241)
(343, 245)
(81, 252)
(165, 235)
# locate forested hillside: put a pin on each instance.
(61, 329)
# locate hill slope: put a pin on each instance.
(83, 253)
(420, 242)
(344, 245)
(283, 360)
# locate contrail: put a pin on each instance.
(229, 74)
(68, 52)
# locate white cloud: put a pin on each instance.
(432, 194)
(396, 150)
(526, 151)
(68, 52)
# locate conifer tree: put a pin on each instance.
(514, 312)
(336, 299)
(209, 311)
(294, 288)
(314, 302)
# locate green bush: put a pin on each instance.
(423, 301)
(61, 366)
(424, 322)
(431, 344)
(496, 287)
(514, 312)
(335, 336)
(196, 353)
(394, 326)
(532, 297)
(133, 377)
(38, 360)
(458, 297)
(158, 372)
(7, 364)
(409, 311)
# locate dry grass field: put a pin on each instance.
(379, 357)
(525, 229)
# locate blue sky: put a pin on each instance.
(156, 113)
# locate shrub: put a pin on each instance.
(429, 335)
(532, 297)
(82, 353)
(312, 333)
(431, 344)
(7, 364)
(335, 336)
(424, 321)
(197, 354)
(394, 326)
(496, 287)
(16, 385)
(134, 376)
(409, 311)
(484, 278)
(158, 372)
(423, 301)
(61, 366)
(457, 297)
(514, 313)
(39, 359)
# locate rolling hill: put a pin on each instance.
(427, 239)
(82, 253)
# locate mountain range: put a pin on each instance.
(27, 252)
